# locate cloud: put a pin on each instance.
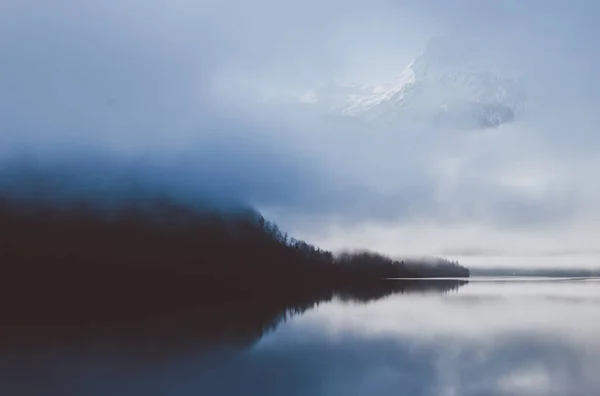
(182, 93)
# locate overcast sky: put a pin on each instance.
(171, 91)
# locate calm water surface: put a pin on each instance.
(486, 338)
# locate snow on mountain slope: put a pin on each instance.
(455, 83)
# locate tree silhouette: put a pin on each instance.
(151, 258)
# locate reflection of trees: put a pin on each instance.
(176, 322)
(209, 275)
(386, 288)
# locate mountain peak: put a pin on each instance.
(455, 83)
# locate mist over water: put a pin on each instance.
(536, 338)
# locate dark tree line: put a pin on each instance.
(437, 267)
(82, 265)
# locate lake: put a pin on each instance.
(488, 337)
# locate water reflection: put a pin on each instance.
(483, 339)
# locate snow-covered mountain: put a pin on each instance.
(455, 83)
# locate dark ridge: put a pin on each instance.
(436, 267)
(221, 274)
